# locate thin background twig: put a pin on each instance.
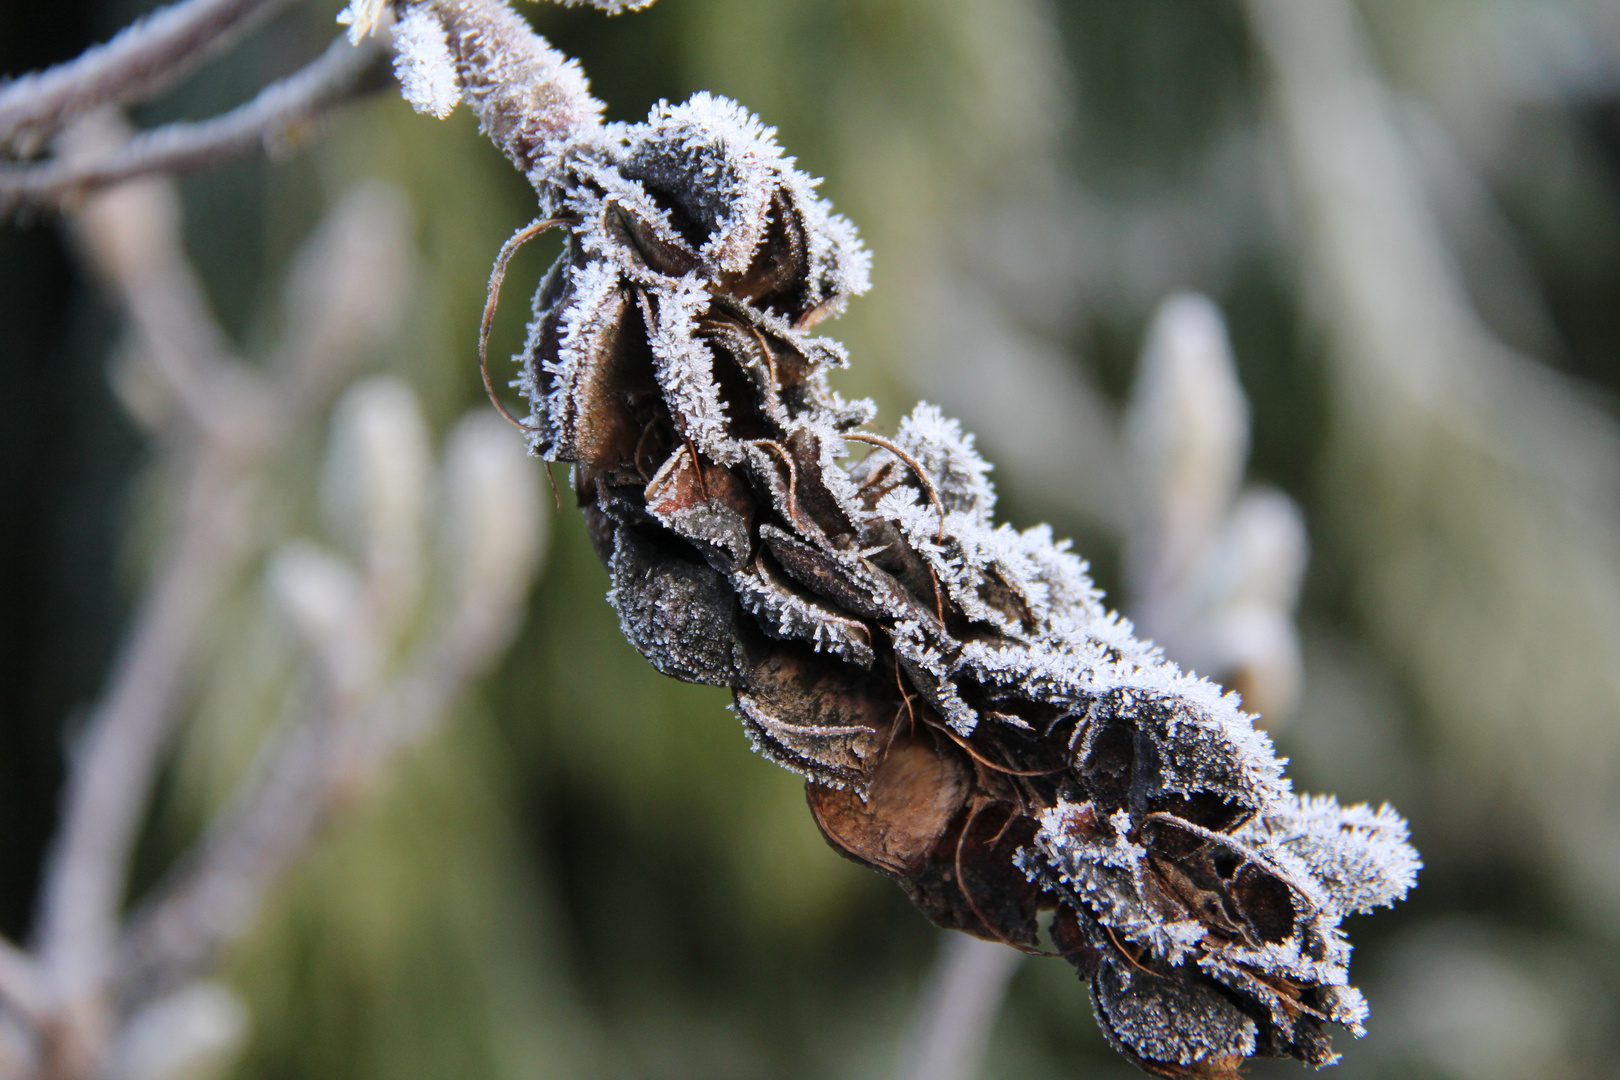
(141, 60)
(134, 235)
(276, 111)
(951, 1030)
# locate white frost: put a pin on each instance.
(423, 64)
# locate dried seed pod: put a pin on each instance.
(970, 718)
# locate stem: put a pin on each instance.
(530, 99)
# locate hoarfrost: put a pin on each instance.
(718, 163)
(786, 614)
(423, 64)
(685, 368)
(612, 7)
(1360, 855)
(959, 474)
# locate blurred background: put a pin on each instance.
(1408, 212)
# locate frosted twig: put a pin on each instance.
(952, 1027)
(530, 99)
(213, 897)
(144, 58)
(274, 112)
(132, 236)
(115, 762)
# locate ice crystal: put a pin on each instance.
(1359, 856)
(423, 64)
(959, 474)
(969, 716)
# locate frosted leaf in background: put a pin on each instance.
(1214, 575)
(326, 600)
(192, 1034)
(347, 288)
(377, 489)
(1187, 432)
(1260, 553)
(1247, 591)
(374, 489)
(495, 522)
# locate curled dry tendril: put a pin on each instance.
(492, 298)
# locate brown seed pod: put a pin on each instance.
(970, 719)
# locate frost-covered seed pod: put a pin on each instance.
(969, 717)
